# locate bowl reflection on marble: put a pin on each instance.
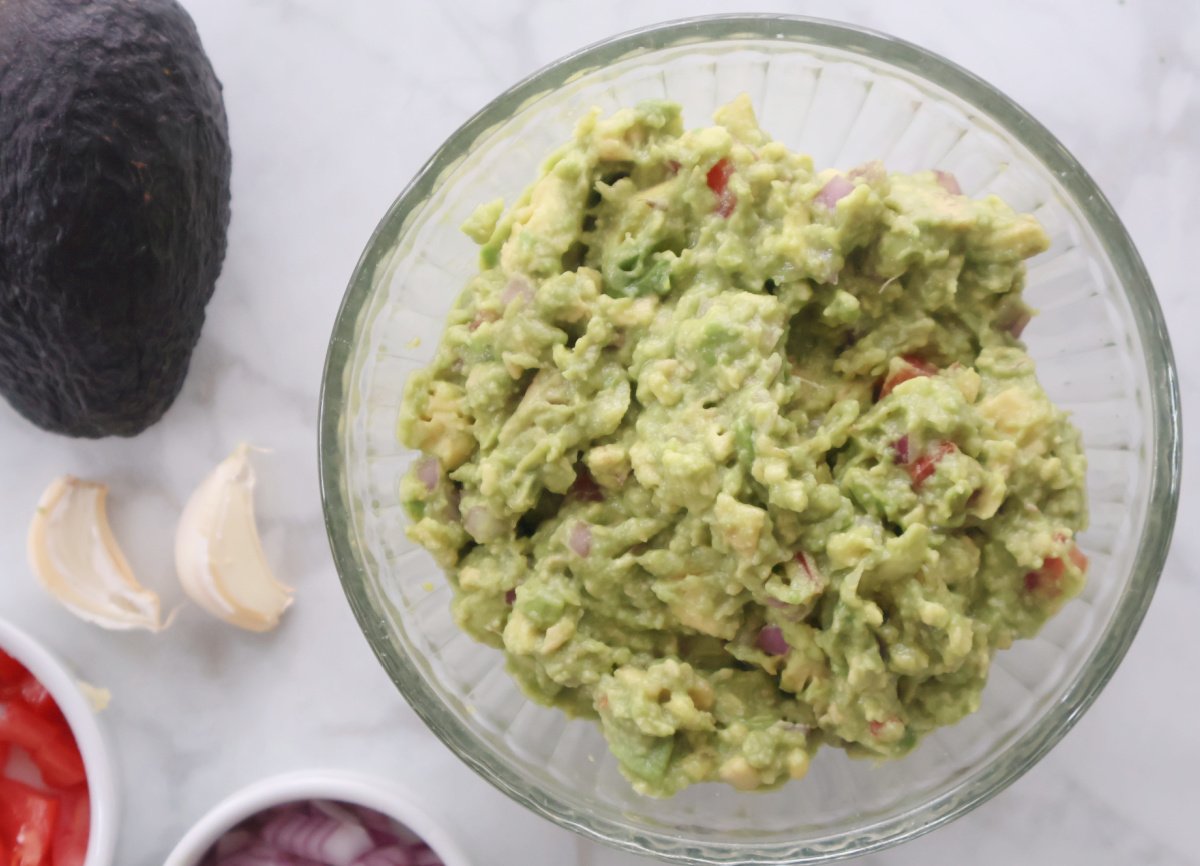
(845, 96)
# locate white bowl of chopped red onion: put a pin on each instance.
(317, 818)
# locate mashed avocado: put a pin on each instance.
(740, 458)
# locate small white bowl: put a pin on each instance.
(382, 796)
(93, 744)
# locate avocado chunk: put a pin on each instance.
(114, 205)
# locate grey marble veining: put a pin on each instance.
(333, 106)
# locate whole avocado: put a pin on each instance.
(114, 206)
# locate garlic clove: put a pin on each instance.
(218, 554)
(75, 557)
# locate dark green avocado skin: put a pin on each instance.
(114, 206)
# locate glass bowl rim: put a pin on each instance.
(1164, 459)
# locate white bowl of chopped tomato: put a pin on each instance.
(58, 798)
(318, 818)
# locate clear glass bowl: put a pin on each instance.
(845, 96)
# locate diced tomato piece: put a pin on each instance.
(1046, 580)
(27, 819)
(585, 487)
(718, 175)
(925, 465)
(5, 748)
(38, 698)
(913, 368)
(11, 670)
(71, 832)
(875, 727)
(718, 182)
(673, 166)
(49, 743)
(1078, 557)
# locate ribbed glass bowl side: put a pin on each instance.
(844, 96)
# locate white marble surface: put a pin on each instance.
(333, 105)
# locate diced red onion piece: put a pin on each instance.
(256, 854)
(426, 857)
(871, 172)
(947, 181)
(388, 855)
(778, 604)
(510, 596)
(481, 524)
(428, 473)
(317, 837)
(580, 539)
(232, 842)
(834, 191)
(900, 447)
(1017, 326)
(771, 641)
(518, 287)
(343, 812)
(387, 831)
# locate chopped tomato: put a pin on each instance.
(673, 166)
(11, 670)
(585, 487)
(809, 567)
(875, 727)
(925, 465)
(27, 819)
(1047, 580)
(912, 368)
(69, 846)
(718, 182)
(1078, 557)
(49, 743)
(38, 698)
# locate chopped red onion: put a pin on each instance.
(428, 473)
(947, 181)
(900, 448)
(834, 191)
(518, 287)
(256, 854)
(771, 641)
(1017, 326)
(317, 837)
(389, 855)
(426, 857)
(510, 596)
(580, 539)
(807, 565)
(232, 842)
(871, 172)
(481, 524)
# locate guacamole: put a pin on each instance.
(741, 458)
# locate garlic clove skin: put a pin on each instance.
(218, 554)
(76, 558)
